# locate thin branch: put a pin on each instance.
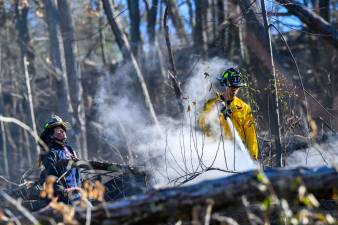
(18, 205)
(8, 181)
(30, 98)
(173, 72)
(26, 128)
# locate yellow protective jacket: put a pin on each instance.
(241, 118)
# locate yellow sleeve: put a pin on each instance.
(202, 118)
(250, 135)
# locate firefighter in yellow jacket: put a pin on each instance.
(228, 105)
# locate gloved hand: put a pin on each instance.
(114, 168)
(74, 158)
(138, 170)
(226, 111)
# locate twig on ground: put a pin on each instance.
(18, 205)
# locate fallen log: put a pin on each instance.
(216, 200)
(173, 204)
(220, 195)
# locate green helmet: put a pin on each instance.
(231, 77)
(56, 121)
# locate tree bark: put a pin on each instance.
(173, 73)
(242, 43)
(177, 20)
(102, 41)
(4, 149)
(220, 20)
(30, 100)
(324, 9)
(135, 33)
(214, 21)
(279, 161)
(27, 58)
(2, 14)
(21, 10)
(315, 23)
(153, 39)
(199, 39)
(74, 75)
(125, 49)
(2, 125)
(191, 13)
(151, 20)
(64, 105)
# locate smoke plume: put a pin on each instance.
(182, 153)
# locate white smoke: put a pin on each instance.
(325, 154)
(184, 152)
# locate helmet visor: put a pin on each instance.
(235, 81)
(64, 125)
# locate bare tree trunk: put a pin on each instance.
(177, 20)
(205, 30)
(324, 9)
(2, 15)
(242, 44)
(233, 31)
(151, 21)
(74, 75)
(191, 14)
(220, 20)
(199, 40)
(2, 125)
(102, 41)
(81, 115)
(27, 57)
(280, 161)
(124, 46)
(173, 73)
(30, 100)
(260, 52)
(315, 5)
(21, 10)
(4, 149)
(213, 21)
(161, 15)
(64, 106)
(160, 59)
(153, 40)
(135, 33)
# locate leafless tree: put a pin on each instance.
(74, 74)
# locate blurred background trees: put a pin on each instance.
(68, 46)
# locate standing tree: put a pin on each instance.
(198, 37)
(324, 9)
(2, 125)
(27, 62)
(177, 20)
(64, 106)
(125, 49)
(74, 75)
(134, 15)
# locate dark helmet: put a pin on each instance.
(231, 77)
(55, 121)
